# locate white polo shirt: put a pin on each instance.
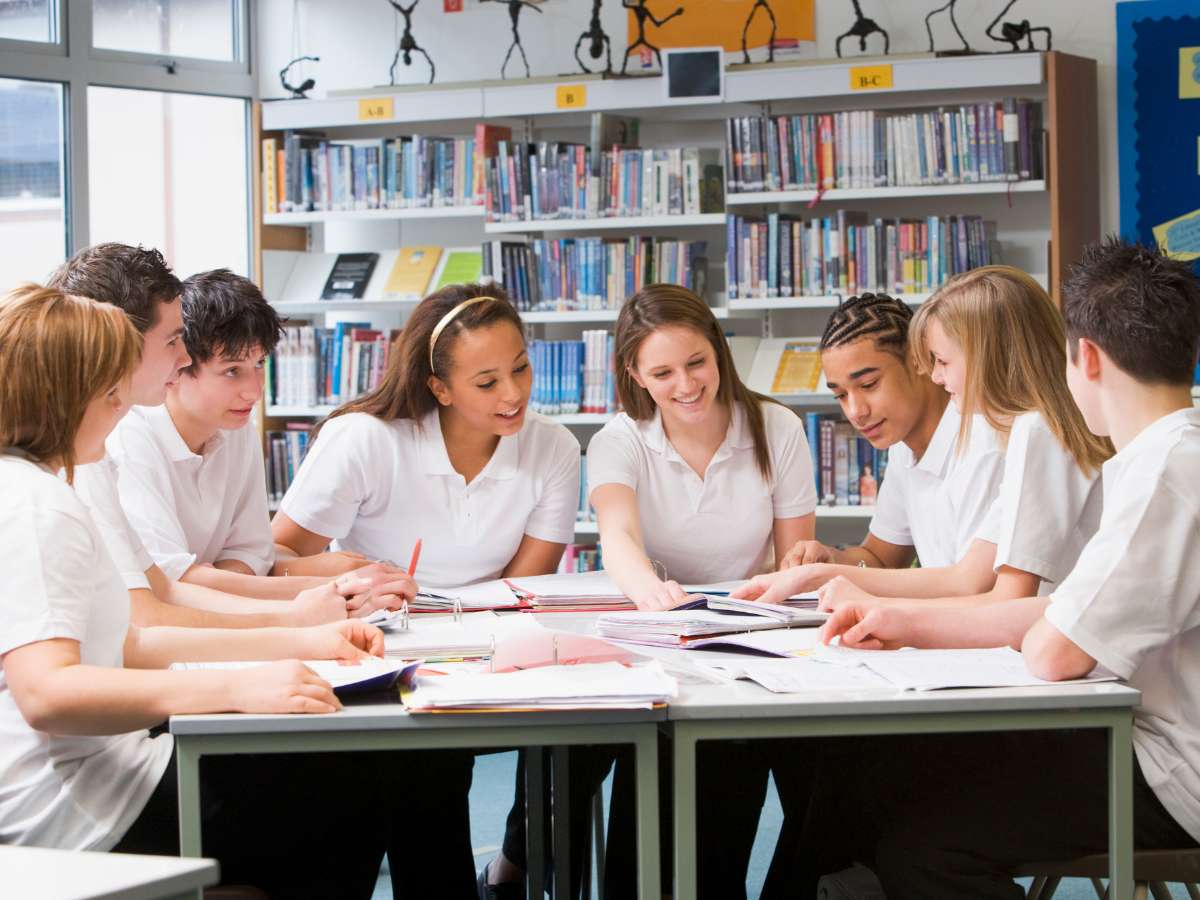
(1047, 509)
(375, 487)
(937, 503)
(1132, 602)
(71, 792)
(718, 527)
(191, 508)
(96, 485)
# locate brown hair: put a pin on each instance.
(404, 391)
(661, 305)
(58, 353)
(1016, 356)
(134, 278)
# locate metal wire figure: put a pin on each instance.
(759, 4)
(929, 29)
(641, 14)
(861, 29)
(514, 15)
(1014, 32)
(597, 41)
(408, 43)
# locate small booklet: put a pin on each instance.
(345, 678)
(795, 615)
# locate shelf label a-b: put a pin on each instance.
(375, 109)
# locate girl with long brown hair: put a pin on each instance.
(993, 338)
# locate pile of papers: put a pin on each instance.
(472, 637)
(361, 677)
(608, 685)
(793, 613)
(678, 627)
(486, 595)
(590, 591)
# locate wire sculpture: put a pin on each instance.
(408, 43)
(597, 41)
(514, 15)
(1015, 32)
(641, 14)
(862, 29)
(298, 92)
(953, 21)
(759, 4)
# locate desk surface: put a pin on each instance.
(36, 873)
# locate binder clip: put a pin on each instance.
(404, 616)
(492, 657)
(554, 649)
(458, 611)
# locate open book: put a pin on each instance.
(353, 678)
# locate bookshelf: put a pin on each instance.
(1042, 224)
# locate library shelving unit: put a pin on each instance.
(1042, 225)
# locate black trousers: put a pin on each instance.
(951, 816)
(316, 825)
(731, 779)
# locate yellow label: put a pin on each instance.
(375, 109)
(1189, 73)
(570, 96)
(870, 78)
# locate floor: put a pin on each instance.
(491, 796)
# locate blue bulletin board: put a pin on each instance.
(1158, 123)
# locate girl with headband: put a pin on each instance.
(446, 452)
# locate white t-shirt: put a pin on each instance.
(1132, 602)
(718, 527)
(375, 487)
(75, 793)
(96, 485)
(193, 508)
(1047, 509)
(937, 503)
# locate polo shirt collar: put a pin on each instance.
(504, 464)
(941, 446)
(737, 436)
(168, 435)
(1157, 430)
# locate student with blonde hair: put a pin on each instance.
(994, 340)
(78, 689)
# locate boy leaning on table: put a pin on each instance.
(951, 816)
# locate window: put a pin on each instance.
(170, 171)
(32, 213)
(204, 29)
(29, 20)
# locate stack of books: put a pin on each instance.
(327, 366)
(573, 376)
(285, 452)
(846, 253)
(979, 142)
(306, 173)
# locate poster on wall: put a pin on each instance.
(1158, 122)
(713, 23)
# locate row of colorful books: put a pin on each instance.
(996, 141)
(569, 181)
(579, 558)
(304, 172)
(285, 452)
(326, 366)
(573, 376)
(591, 273)
(785, 256)
(847, 469)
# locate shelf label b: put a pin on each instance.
(870, 78)
(570, 96)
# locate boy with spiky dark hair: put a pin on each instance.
(191, 473)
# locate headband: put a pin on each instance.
(446, 320)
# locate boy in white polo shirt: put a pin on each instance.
(191, 475)
(932, 825)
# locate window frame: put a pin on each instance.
(74, 63)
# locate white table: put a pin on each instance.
(746, 711)
(388, 726)
(35, 873)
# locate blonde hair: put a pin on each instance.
(58, 353)
(1014, 342)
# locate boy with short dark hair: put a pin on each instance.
(952, 821)
(191, 474)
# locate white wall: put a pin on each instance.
(356, 39)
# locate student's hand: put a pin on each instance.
(316, 606)
(376, 586)
(806, 552)
(287, 686)
(841, 591)
(334, 562)
(659, 595)
(868, 627)
(347, 641)
(776, 587)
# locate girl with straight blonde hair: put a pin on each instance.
(994, 339)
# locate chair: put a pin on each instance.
(1152, 870)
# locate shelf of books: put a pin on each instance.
(774, 205)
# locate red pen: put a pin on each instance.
(412, 566)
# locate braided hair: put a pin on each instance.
(866, 315)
